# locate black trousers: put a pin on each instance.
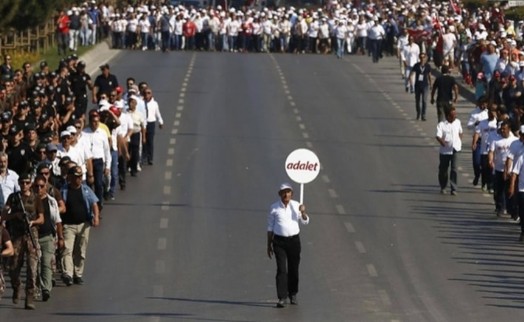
(149, 147)
(287, 255)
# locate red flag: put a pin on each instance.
(455, 6)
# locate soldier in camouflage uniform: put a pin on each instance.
(13, 214)
(6, 250)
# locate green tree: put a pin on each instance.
(32, 13)
(8, 9)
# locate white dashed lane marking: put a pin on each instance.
(349, 227)
(164, 222)
(372, 271)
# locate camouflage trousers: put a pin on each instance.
(24, 250)
(2, 281)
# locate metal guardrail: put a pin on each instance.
(33, 40)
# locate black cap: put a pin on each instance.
(30, 127)
(81, 64)
(43, 165)
(24, 176)
(75, 171)
(6, 117)
(35, 104)
(15, 129)
(64, 160)
(23, 104)
(43, 64)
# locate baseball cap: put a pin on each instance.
(75, 171)
(64, 160)
(71, 129)
(51, 147)
(285, 186)
(65, 133)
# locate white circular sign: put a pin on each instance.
(302, 166)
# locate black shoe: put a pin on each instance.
(150, 162)
(476, 181)
(67, 280)
(423, 119)
(45, 295)
(281, 303)
(293, 299)
(78, 281)
(16, 296)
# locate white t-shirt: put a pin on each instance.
(500, 149)
(450, 133)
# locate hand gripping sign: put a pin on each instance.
(302, 166)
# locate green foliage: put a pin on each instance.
(474, 4)
(515, 13)
(8, 9)
(23, 14)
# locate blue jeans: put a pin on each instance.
(421, 98)
(114, 172)
(341, 43)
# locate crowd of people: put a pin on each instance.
(60, 161)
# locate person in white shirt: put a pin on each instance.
(341, 33)
(152, 117)
(375, 36)
(410, 56)
(517, 191)
(283, 241)
(497, 155)
(8, 179)
(479, 113)
(449, 42)
(449, 136)
(101, 154)
(145, 27)
(485, 133)
(402, 41)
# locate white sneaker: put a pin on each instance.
(138, 167)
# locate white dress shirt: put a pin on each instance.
(153, 111)
(8, 184)
(284, 221)
(450, 133)
(99, 145)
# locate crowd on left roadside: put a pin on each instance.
(59, 163)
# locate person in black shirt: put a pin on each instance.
(104, 83)
(81, 213)
(18, 151)
(80, 83)
(422, 76)
(447, 92)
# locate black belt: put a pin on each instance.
(285, 237)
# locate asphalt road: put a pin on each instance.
(186, 241)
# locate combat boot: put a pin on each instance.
(29, 301)
(16, 295)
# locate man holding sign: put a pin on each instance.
(284, 242)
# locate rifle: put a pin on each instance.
(27, 223)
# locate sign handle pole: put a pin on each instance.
(301, 193)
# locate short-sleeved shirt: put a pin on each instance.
(444, 85)
(450, 133)
(500, 149)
